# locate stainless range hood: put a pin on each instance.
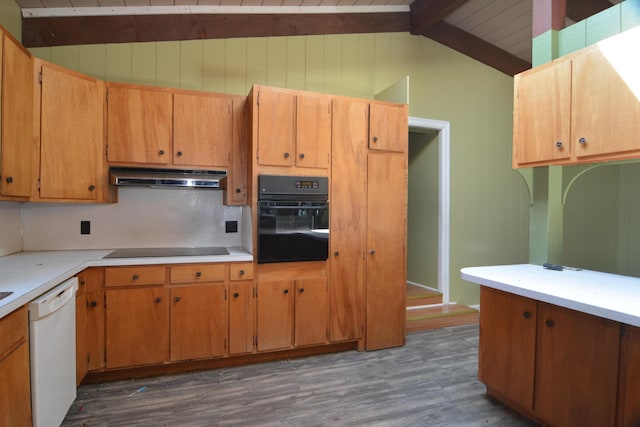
(163, 178)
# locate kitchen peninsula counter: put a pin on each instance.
(609, 296)
(30, 274)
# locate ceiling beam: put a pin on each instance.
(578, 10)
(427, 13)
(476, 48)
(80, 30)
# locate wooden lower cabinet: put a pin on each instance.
(198, 327)
(242, 310)
(311, 312)
(15, 380)
(506, 357)
(90, 338)
(137, 321)
(559, 366)
(576, 368)
(275, 315)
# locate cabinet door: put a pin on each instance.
(71, 135)
(140, 126)
(629, 378)
(541, 114)
(276, 113)
(389, 128)
(506, 354)
(15, 388)
(386, 250)
(16, 119)
(313, 131)
(275, 315)
(576, 368)
(311, 312)
(137, 326)
(236, 190)
(95, 300)
(198, 321)
(348, 237)
(242, 316)
(203, 131)
(605, 112)
(82, 352)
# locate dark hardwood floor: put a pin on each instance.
(429, 382)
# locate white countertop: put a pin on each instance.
(30, 274)
(610, 296)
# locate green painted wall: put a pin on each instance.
(489, 201)
(11, 17)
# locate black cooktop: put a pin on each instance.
(166, 252)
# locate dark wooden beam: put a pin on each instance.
(61, 31)
(577, 10)
(427, 13)
(548, 15)
(477, 48)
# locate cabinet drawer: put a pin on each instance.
(127, 276)
(241, 271)
(13, 328)
(198, 273)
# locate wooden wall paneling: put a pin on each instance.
(119, 63)
(349, 66)
(314, 65)
(277, 61)
(236, 72)
(256, 61)
(167, 64)
(143, 63)
(332, 64)
(191, 64)
(92, 61)
(66, 56)
(213, 65)
(296, 53)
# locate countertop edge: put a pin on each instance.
(551, 298)
(236, 255)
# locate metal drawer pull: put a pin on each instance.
(198, 274)
(135, 277)
(241, 272)
(176, 299)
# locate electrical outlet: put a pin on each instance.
(231, 226)
(85, 227)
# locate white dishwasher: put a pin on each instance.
(52, 340)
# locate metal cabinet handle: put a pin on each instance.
(375, 139)
(286, 291)
(301, 290)
(336, 253)
(161, 152)
(372, 252)
(236, 295)
(301, 155)
(135, 277)
(238, 190)
(286, 155)
(559, 144)
(176, 299)
(158, 300)
(9, 179)
(526, 315)
(241, 272)
(179, 154)
(92, 187)
(582, 140)
(198, 274)
(93, 304)
(550, 323)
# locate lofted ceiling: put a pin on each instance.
(495, 32)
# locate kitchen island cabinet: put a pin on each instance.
(577, 365)
(16, 118)
(15, 382)
(72, 165)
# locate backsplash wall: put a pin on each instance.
(10, 228)
(143, 217)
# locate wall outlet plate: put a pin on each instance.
(231, 226)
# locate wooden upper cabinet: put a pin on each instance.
(388, 127)
(72, 164)
(506, 357)
(276, 122)
(605, 112)
(203, 130)
(139, 125)
(236, 189)
(542, 112)
(16, 118)
(313, 130)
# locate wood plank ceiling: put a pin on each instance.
(495, 32)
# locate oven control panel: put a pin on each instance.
(281, 186)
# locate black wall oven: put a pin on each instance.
(293, 218)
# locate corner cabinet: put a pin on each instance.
(581, 108)
(16, 119)
(72, 160)
(557, 365)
